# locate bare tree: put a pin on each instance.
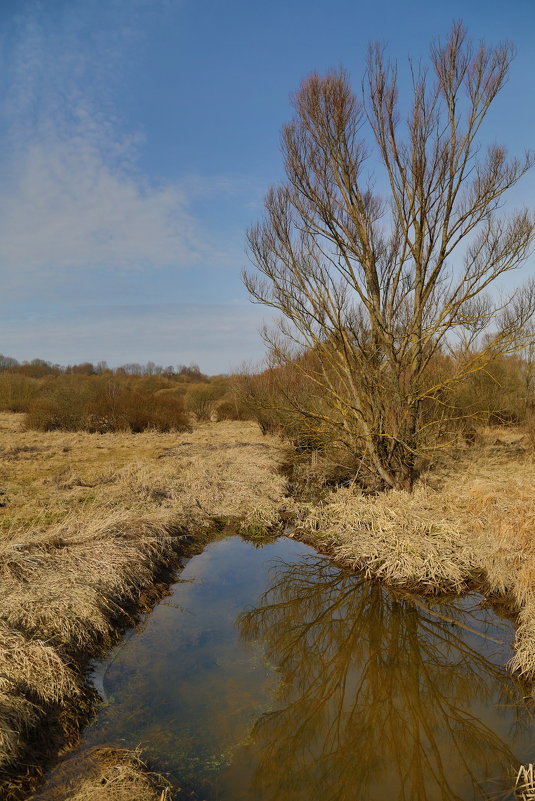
(376, 287)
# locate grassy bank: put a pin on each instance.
(89, 524)
(469, 522)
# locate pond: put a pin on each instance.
(268, 674)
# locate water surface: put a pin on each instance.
(269, 674)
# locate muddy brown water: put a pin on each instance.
(269, 674)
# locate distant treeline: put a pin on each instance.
(37, 368)
(136, 397)
(133, 397)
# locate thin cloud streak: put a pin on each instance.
(165, 333)
(72, 196)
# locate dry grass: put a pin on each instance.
(71, 583)
(227, 470)
(105, 774)
(398, 538)
(31, 671)
(473, 517)
(525, 783)
(89, 522)
(63, 594)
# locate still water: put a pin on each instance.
(271, 675)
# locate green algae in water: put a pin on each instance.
(270, 674)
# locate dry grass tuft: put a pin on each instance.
(71, 583)
(32, 675)
(399, 538)
(523, 661)
(105, 774)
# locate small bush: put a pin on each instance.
(136, 411)
(498, 395)
(61, 404)
(201, 399)
(46, 414)
(231, 410)
(16, 392)
(96, 404)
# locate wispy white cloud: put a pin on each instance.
(68, 208)
(78, 213)
(71, 194)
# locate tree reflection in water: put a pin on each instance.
(379, 698)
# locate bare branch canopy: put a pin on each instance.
(373, 286)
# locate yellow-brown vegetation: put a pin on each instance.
(525, 783)
(105, 774)
(73, 400)
(468, 521)
(89, 522)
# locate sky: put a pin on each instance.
(139, 137)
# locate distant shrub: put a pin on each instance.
(136, 411)
(85, 368)
(38, 368)
(48, 414)
(16, 392)
(100, 404)
(62, 404)
(201, 399)
(231, 410)
(268, 398)
(498, 395)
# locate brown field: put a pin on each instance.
(225, 470)
(90, 523)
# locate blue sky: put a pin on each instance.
(138, 138)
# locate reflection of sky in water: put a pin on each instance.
(269, 674)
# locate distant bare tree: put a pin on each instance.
(101, 367)
(376, 287)
(131, 368)
(7, 362)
